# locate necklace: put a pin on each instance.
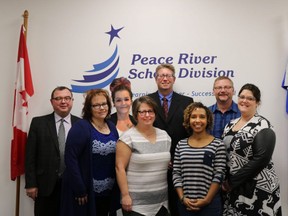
(128, 125)
(100, 127)
(124, 124)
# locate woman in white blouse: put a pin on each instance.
(142, 158)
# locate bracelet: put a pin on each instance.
(182, 199)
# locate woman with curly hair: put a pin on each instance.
(199, 165)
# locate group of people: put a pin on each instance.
(172, 156)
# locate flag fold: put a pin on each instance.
(23, 91)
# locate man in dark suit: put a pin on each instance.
(44, 162)
(173, 120)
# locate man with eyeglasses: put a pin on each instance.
(225, 109)
(44, 162)
(172, 123)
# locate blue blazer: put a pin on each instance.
(78, 160)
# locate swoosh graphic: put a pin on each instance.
(96, 77)
(105, 64)
(100, 76)
(82, 89)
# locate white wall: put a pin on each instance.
(65, 38)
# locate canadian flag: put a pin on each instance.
(23, 91)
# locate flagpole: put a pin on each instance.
(18, 181)
(25, 23)
(17, 196)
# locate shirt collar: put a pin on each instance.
(58, 118)
(233, 107)
(168, 97)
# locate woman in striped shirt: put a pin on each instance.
(142, 159)
(199, 165)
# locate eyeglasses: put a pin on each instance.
(119, 100)
(145, 112)
(99, 106)
(161, 76)
(66, 99)
(218, 88)
(248, 98)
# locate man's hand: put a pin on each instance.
(32, 193)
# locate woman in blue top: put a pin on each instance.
(89, 181)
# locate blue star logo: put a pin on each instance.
(103, 73)
(113, 33)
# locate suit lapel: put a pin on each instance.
(156, 98)
(73, 119)
(52, 129)
(175, 102)
(51, 125)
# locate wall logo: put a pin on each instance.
(102, 73)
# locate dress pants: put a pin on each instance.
(213, 209)
(49, 205)
(172, 196)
